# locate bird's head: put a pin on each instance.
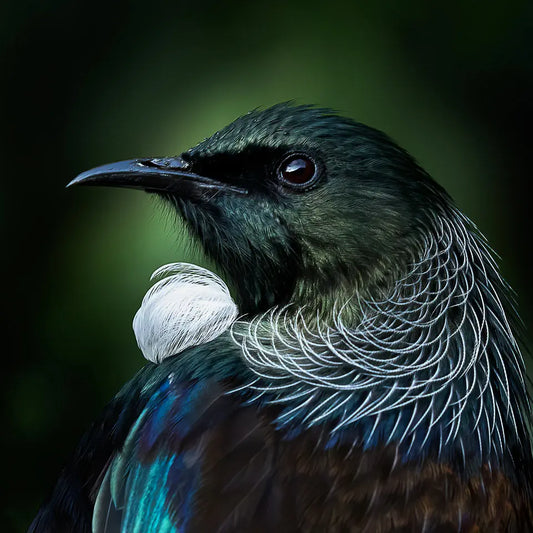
(294, 204)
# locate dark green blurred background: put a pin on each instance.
(88, 83)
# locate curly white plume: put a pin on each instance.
(189, 306)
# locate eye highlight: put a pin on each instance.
(297, 171)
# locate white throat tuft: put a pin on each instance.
(188, 306)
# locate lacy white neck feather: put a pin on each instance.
(434, 360)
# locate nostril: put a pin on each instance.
(171, 163)
(153, 163)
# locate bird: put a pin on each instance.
(355, 366)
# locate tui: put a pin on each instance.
(372, 381)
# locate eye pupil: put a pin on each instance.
(298, 170)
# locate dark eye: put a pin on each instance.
(297, 170)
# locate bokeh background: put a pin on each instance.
(84, 83)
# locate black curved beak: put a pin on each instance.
(169, 174)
